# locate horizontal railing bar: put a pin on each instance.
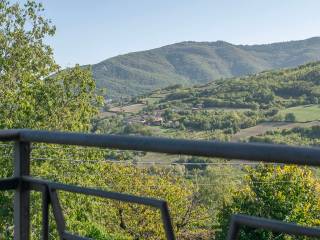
(275, 226)
(10, 134)
(69, 236)
(9, 183)
(34, 183)
(130, 162)
(247, 151)
(37, 187)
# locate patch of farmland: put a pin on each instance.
(268, 126)
(303, 113)
(134, 108)
(227, 109)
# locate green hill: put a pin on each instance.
(189, 63)
(285, 88)
(225, 109)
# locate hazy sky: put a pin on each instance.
(89, 31)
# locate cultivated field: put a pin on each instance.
(134, 108)
(304, 113)
(227, 109)
(268, 126)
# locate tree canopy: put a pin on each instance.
(34, 93)
(287, 193)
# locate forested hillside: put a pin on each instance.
(190, 63)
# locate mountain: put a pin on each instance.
(190, 63)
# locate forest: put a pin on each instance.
(202, 193)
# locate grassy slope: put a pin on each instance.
(304, 113)
(269, 126)
(297, 136)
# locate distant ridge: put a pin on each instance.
(190, 63)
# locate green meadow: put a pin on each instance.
(303, 113)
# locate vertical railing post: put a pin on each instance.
(233, 233)
(45, 214)
(22, 193)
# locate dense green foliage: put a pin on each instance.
(130, 221)
(29, 98)
(231, 122)
(35, 94)
(266, 90)
(196, 63)
(296, 136)
(286, 193)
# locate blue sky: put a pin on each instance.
(89, 31)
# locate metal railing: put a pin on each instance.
(23, 183)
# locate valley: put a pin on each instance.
(236, 109)
(229, 109)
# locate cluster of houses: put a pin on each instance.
(151, 119)
(155, 119)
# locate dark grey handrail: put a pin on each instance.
(238, 221)
(230, 150)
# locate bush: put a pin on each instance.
(290, 117)
(136, 128)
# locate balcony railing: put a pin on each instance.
(23, 183)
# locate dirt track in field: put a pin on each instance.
(268, 126)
